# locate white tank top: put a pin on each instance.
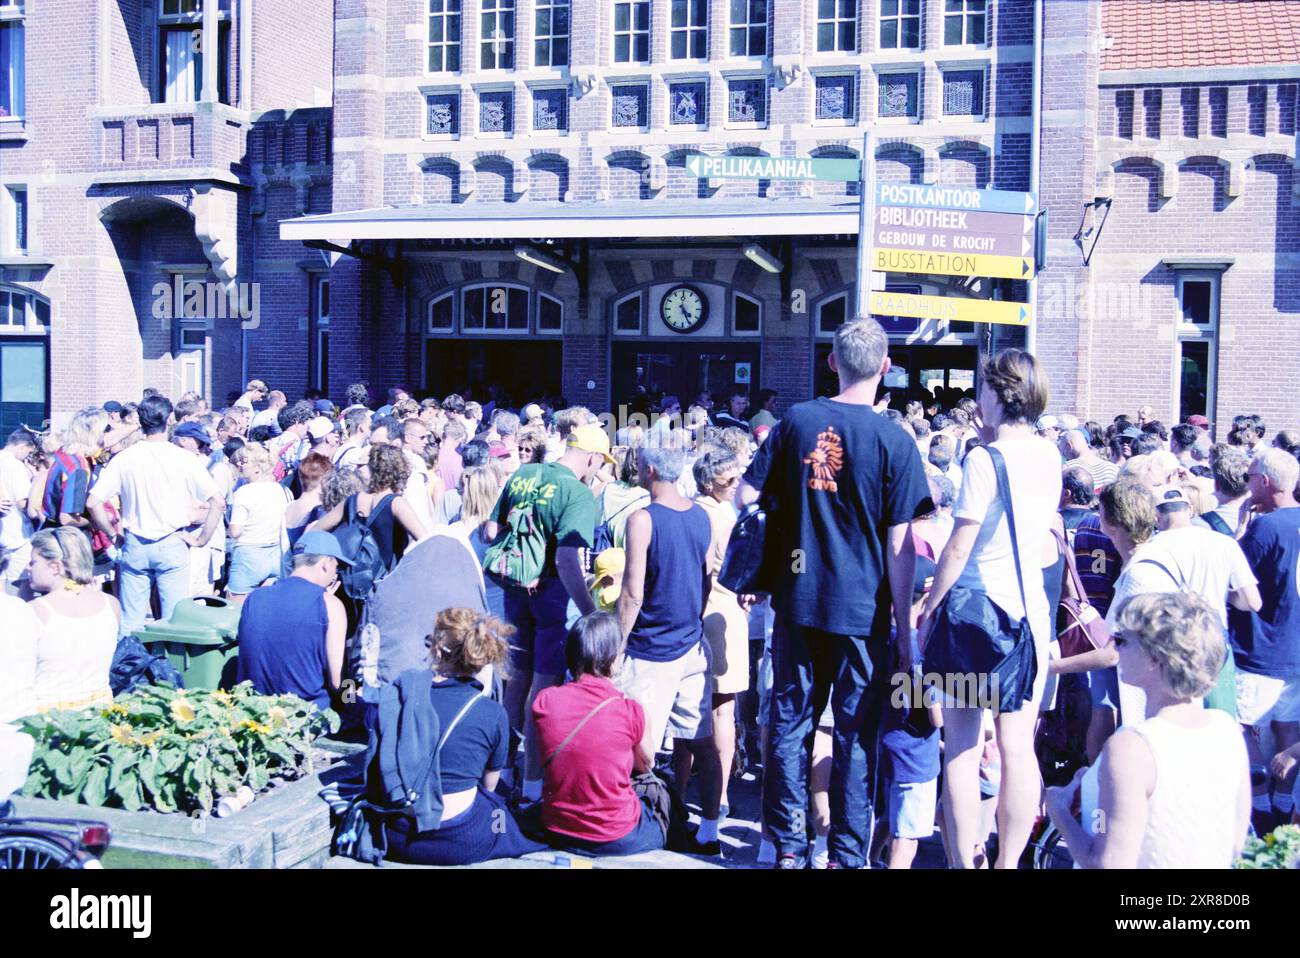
(1192, 821)
(73, 658)
(1192, 817)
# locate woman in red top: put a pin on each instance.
(590, 739)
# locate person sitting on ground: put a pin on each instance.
(473, 745)
(292, 633)
(591, 741)
(78, 623)
(1174, 789)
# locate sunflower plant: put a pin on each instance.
(173, 750)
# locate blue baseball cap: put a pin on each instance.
(324, 405)
(192, 430)
(320, 544)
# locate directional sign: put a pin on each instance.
(894, 260)
(772, 168)
(950, 308)
(954, 241)
(955, 198)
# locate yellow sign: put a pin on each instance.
(951, 264)
(951, 309)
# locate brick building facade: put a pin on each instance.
(494, 191)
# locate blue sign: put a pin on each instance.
(955, 198)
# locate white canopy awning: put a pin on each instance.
(648, 219)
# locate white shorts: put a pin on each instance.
(1262, 699)
(911, 808)
(677, 696)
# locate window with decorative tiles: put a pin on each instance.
(443, 114)
(836, 97)
(630, 105)
(687, 103)
(963, 93)
(551, 110)
(747, 100)
(496, 111)
(898, 96)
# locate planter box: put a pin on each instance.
(286, 827)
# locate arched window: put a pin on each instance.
(495, 309)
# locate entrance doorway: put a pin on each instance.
(523, 370)
(684, 370)
(944, 372)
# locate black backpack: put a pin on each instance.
(362, 549)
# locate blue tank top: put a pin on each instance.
(669, 625)
(282, 641)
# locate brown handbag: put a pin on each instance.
(1081, 627)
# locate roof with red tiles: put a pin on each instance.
(1182, 34)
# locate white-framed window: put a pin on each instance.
(318, 347)
(1196, 375)
(550, 314)
(837, 26)
(551, 28)
(24, 358)
(627, 314)
(900, 24)
(442, 314)
(748, 28)
(688, 30)
(14, 216)
(965, 22)
(746, 315)
(22, 310)
(632, 31)
(494, 308)
(181, 57)
(496, 34)
(13, 62)
(444, 36)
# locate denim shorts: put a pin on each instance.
(250, 566)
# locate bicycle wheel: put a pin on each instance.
(34, 852)
(1048, 851)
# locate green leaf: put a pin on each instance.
(123, 759)
(149, 772)
(128, 790)
(95, 791)
(258, 777)
(204, 797)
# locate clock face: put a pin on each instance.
(684, 309)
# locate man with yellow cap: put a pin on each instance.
(561, 510)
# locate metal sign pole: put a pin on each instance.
(866, 224)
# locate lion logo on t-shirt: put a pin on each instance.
(827, 459)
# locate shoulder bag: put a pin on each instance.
(1081, 627)
(974, 644)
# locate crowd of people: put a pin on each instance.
(554, 583)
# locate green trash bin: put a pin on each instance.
(200, 641)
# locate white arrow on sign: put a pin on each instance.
(1025, 245)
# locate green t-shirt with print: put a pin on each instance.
(563, 507)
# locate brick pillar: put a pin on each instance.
(1067, 180)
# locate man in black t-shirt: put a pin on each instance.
(734, 413)
(843, 485)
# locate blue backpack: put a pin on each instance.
(402, 773)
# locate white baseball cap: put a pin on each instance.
(320, 427)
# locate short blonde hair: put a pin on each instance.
(1182, 634)
(70, 546)
(257, 454)
(85, 433)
